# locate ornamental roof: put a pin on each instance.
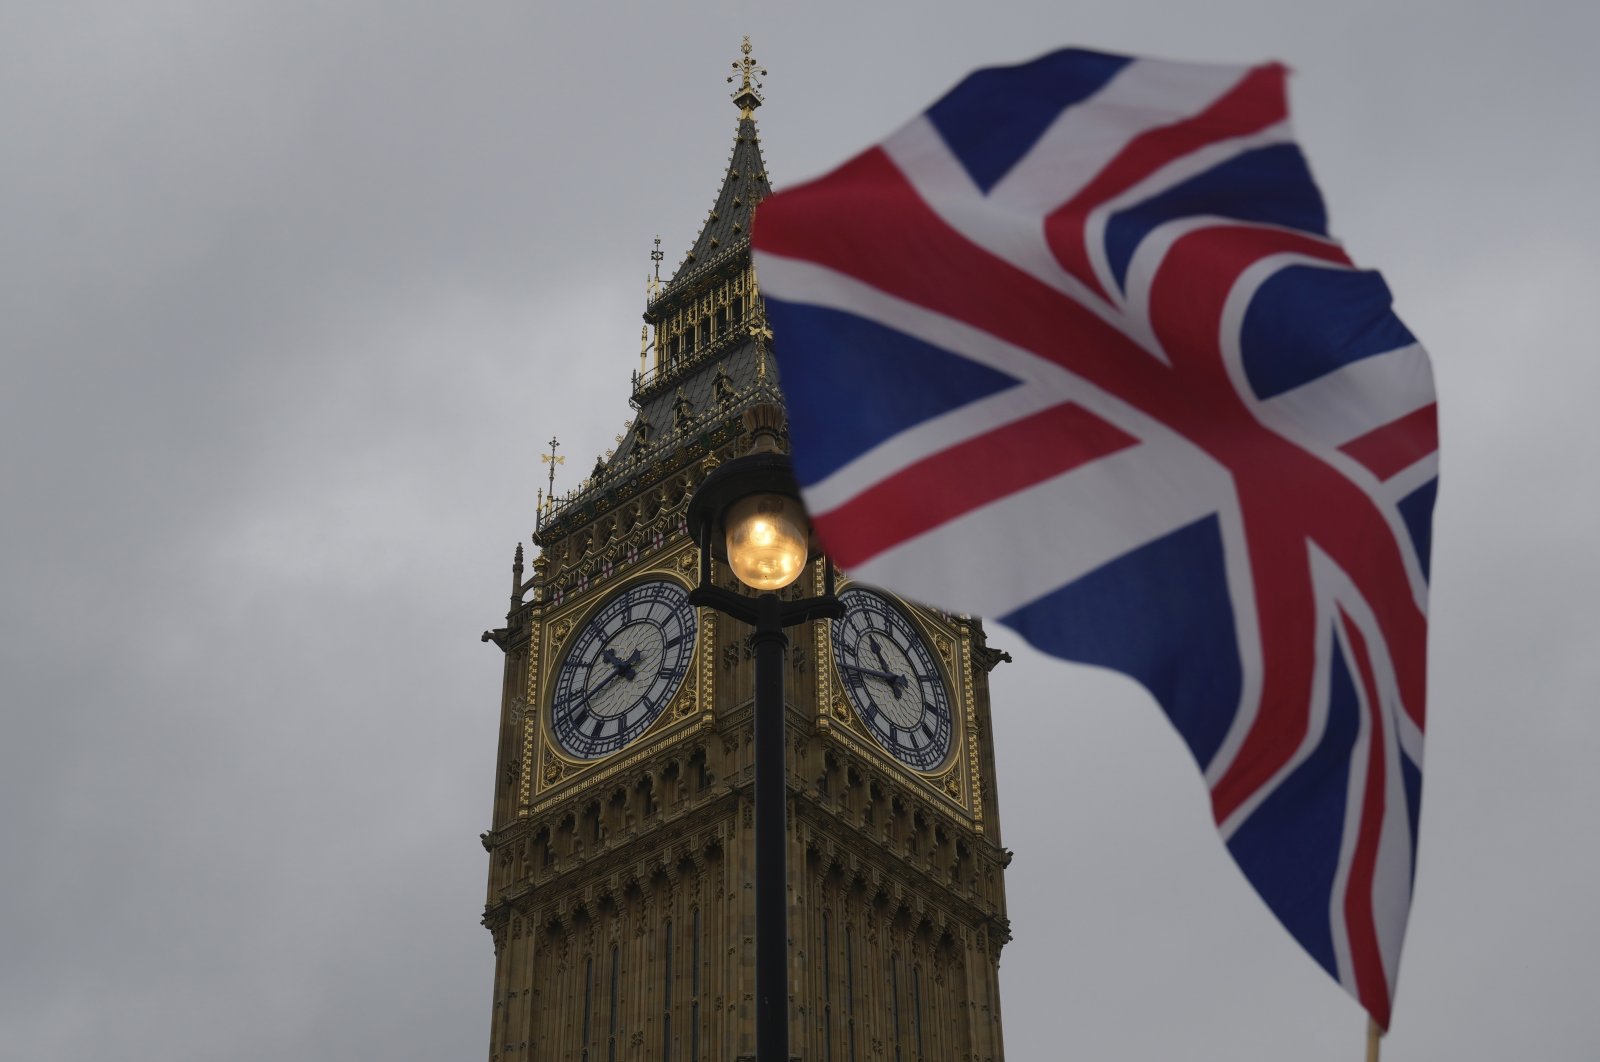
(725, 235)
(683, 400)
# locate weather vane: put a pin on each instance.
(748, 95)
(552, 460)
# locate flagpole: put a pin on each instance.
(1374, 1034)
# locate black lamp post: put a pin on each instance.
(747, 512)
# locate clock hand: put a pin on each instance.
(603, 683)
(878, 653)
(895, 681)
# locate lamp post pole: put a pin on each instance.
(770, 615)
(771, 807)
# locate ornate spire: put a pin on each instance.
(748, 95)
(727, 225)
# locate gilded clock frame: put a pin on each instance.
(957, 781)
(549, 771)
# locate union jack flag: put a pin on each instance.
(1084, 317)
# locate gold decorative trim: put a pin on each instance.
(974, 780)
(554, 769)
(708, 663)
(619, 764)
(824, 647)
(530, 713)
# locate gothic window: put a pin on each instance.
(827, 992)
(694, 991)
(647, 788)
(722, 320)
(541, 844)
(588, 1002)
(894, 1003)
(671, 790)
(916, 1009)
(850, 988)
(616, 980)
(666, 992)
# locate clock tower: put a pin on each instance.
(621, 850)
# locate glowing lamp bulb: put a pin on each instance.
(767, 544)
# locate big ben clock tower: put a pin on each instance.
(620, 892)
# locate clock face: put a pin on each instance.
(892, 678)
(623, 668)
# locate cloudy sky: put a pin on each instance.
(290, 294)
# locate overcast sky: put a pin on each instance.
(290, 294)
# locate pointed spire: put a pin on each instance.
(744, 184)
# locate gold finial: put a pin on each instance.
(762, 335)
(748, 96)
(644, 345)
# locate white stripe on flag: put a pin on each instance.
(1144, 95)
(1356, 399)
(1055, 531)
(1016, 236)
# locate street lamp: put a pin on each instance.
(747, 513)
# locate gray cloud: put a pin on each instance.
(290, 294)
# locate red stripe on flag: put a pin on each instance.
(1398, 444)
(884, 235)
(1366, 956)
(964, 477)
(1252, 105)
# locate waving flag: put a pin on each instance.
(1084, 318)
